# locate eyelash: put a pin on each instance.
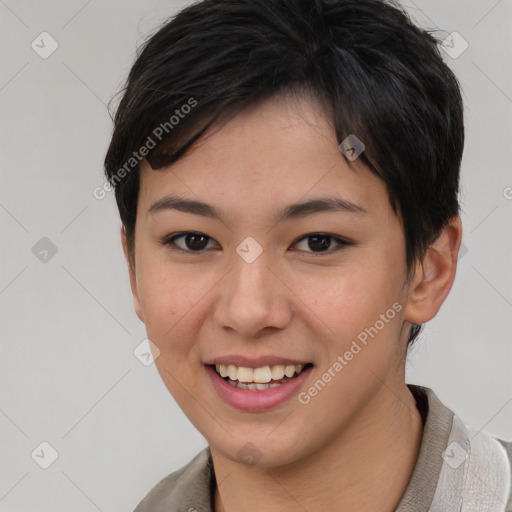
(170, 241)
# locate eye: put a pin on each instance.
(190, 241)
(321, 243)
(195, 241)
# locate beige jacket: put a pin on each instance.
(458, 469)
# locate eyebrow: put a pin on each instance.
(293, 211)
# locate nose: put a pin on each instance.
(252, 298)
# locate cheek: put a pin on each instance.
(166, 291)
(160, 299)
(357, 310)
(170, 301)
(171, 304)
(346, 299)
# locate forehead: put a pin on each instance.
(280, 151)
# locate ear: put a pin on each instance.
(133, 278)
(434, 275)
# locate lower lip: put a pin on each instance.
(256, 400)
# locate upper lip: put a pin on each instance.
(256, 362)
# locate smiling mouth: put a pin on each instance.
(258, 379)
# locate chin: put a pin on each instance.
(259, 451)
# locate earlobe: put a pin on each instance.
(132, 274)
(434, 275)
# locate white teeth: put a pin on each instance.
(222, 369)
(277, 372)
(263, 375)
(244, 374)
(232, 372)
(289, 370)
(254, 386)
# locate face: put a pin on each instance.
(295, 263)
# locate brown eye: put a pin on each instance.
(321, 242)
(190, 241)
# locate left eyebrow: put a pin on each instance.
(319, 205)
(290, 212)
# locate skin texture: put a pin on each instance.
(355, 443)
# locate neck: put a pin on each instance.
(369, 463)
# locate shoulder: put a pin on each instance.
(507, 445)
(487, 467)
(458, 466)
(188, 488)
(508, 448)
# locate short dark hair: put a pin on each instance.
(380, 76)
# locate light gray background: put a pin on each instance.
(68, 329)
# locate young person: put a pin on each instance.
(287, 176)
